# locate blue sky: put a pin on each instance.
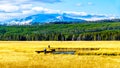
(108, 7)
(20, 8)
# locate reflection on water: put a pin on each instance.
(64, 52)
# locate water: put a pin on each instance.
(64, 52)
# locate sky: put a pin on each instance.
(20, 8)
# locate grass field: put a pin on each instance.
(16, 54)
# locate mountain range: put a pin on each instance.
(55, 17)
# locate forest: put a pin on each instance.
(62, 32)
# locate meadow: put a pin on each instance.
(21, 54)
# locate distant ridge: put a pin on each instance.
(57, 18)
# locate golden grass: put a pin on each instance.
(16, 54)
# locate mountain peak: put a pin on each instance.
(55, 17)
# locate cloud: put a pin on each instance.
(8, 8)
(76, 13)
(84, 4)
(28, 1)
(90, 3)
(19, 22)
(36, 10)
(78, 4)
(48, 1)
(26, 6)
(13, 11)
(8, 16)
(39, 9)
(17, 8)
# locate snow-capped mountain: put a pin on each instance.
(40, 19)
(47, 18)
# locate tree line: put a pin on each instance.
(62, 32)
